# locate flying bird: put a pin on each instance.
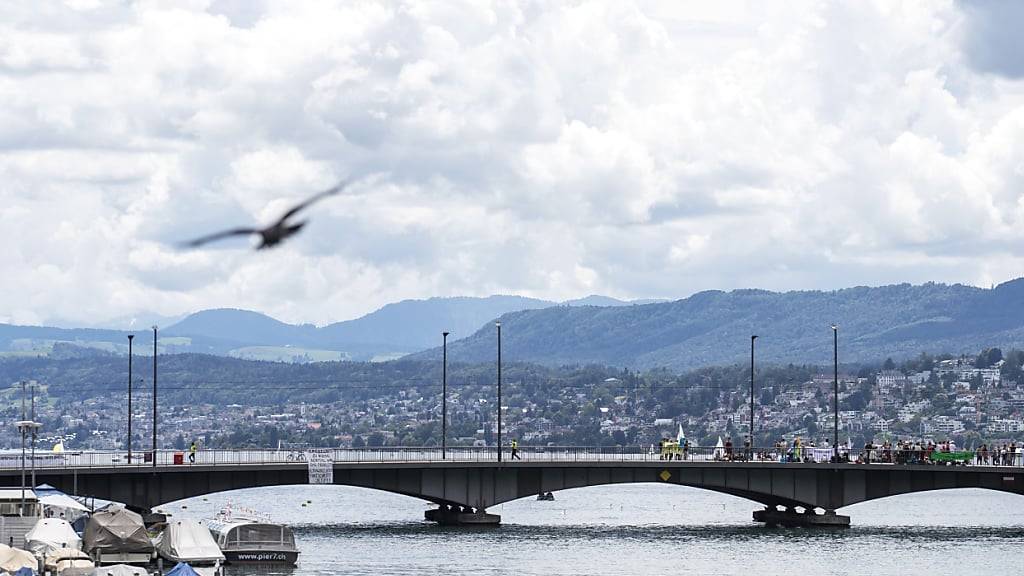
(275, 233)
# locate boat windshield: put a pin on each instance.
(261, 534)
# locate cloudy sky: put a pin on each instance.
(549, 149)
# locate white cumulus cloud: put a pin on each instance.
(636, 149)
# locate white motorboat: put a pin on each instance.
(245, 536)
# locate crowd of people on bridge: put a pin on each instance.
(804, 451)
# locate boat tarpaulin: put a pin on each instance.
(51, 534)
(64, 558)
(116, 530)
(14, 559)
(182, 569)
(189, 541)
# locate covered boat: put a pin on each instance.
(51, 534)
(117, 536)
(57, 561)
(246, 536)
(14, 559)
(189, 541)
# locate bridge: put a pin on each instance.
(466, 482)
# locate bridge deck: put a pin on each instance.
(633, 456)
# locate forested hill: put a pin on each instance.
(714, 328)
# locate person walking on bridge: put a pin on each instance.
(515, 450)
(192, 453)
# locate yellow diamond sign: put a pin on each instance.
(665, 475)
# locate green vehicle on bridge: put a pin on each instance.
(961, 457)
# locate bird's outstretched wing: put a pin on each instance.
(329, 192)
(219, 235)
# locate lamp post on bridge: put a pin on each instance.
(130, 338)
(35, 428)
(24, 427)
(835, 393)
(752, 338)
(498, 325)
(154, 396)
(444, 396)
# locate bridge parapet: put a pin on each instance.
(702, 454)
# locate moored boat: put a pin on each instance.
(61, 560)
(190, 542)
(247, 537)
(117, 536)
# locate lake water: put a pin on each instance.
(643, 529)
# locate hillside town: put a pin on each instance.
(965, 399)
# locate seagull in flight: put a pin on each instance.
(275, 233)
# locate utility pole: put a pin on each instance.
(444, 396)
(752, 338)
(498, 324)
(154, 396)
(130, 338)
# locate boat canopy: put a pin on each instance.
(116, 530)
(251, 534)
(51, 534)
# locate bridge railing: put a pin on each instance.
(119, 459)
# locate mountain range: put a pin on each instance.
(392, 331)
(714, 328)
(708, 328)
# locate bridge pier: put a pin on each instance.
(790, 518)
(461, 516)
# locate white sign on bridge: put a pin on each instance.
(321, 466)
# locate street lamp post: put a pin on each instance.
(154, 396)
(835, 393)
(35, 428)
(444, 396)
(22, 428)
(130, 338)
(752, 338)
(498, 325)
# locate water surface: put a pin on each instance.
(641, 529)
